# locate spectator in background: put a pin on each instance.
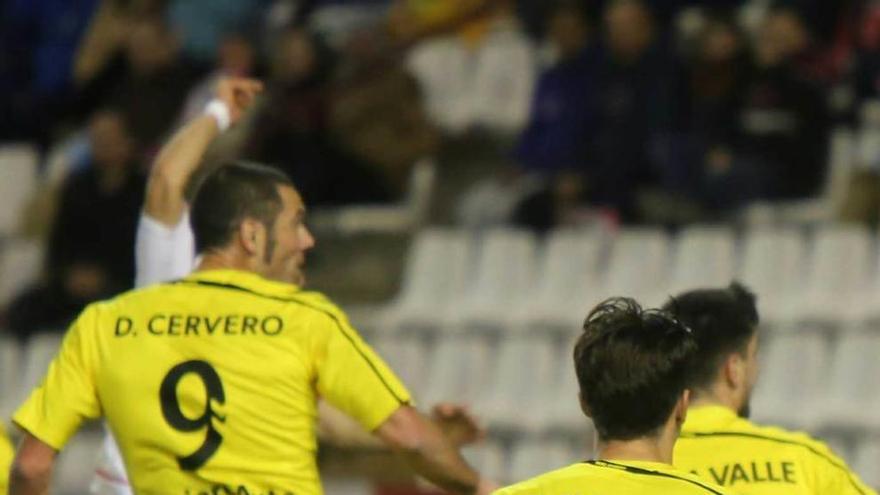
(378, 115)
(625, 106)
(783, 126)
(697, 157)
(91, 243)
(291, 128)
(553, 147)
(561, 115)
(632, 101)
(479, 77)
(203, 25)
(38, 40)
(139, 72)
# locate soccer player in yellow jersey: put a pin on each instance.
(209, 384)
(632, 367)
(718, 442)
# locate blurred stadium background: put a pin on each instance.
(479, 172)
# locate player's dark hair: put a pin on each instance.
(632, 366)
(232, 194)
(722, 320)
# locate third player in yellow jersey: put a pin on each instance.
(728, 450)
(717, 441)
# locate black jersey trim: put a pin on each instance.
(648, 472)
(756, 436)
(294, 300)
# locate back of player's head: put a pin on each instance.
(232, 194)
(722, 320)
(632, 366)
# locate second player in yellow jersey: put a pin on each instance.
(617, 477)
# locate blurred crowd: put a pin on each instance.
(637, 111)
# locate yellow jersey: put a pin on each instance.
(617, 477)
(7, 452)
(209, 384)
(723, 448)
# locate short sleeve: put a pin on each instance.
(67, 395)
(352, 377)
(163, 253)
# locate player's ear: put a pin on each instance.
(734, 370)
(681, 407)
(584, 407)
(250, 235)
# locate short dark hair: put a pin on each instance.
(722, 320)
(632, 366)
(231, 194)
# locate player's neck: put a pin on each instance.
(651, 449)
(224, 260)
(716, 396)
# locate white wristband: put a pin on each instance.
(219, 110)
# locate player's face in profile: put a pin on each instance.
(290, 240)
(751, 365)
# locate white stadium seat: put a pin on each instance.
(850, 400)
(837, 274)
(704, 257)
(569, 269)
(773, 263)
(638, 267)
(525, 369)
(866, 460)
(504, 274)
(459, 370)
(21, 263)
(436, 273)
(793, 371)
(18, 181)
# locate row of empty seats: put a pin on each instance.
(525, 385)
(508, 279)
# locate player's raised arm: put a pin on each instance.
(418, 440)
(181, 156)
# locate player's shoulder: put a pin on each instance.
(808, 447)
(545, 483)
(122, 300)
(318, 305)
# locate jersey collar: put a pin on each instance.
(710, 417)
(243, 280)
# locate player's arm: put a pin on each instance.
(180, 157)
(353, 378)
(32, 467)
(456, 423)
(56, 408)
(421, 443)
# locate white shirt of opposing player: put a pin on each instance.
(161, 254)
